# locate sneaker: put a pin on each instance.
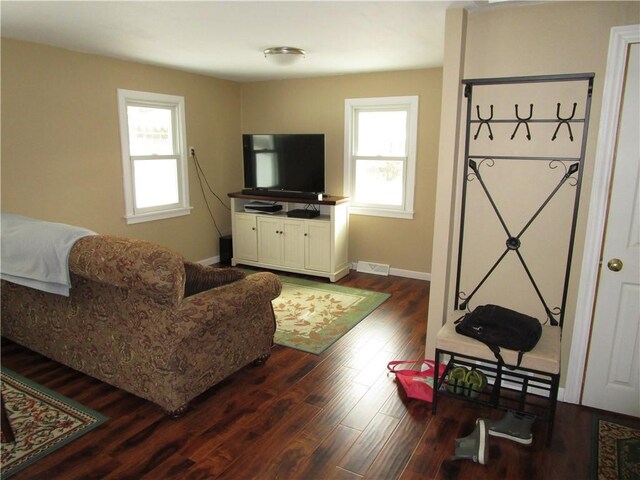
(476, 382)
(513, 426)
(474, 446)
(456, 382)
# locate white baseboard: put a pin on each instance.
(398, 272)
(210, 260)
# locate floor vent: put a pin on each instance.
(375, 268)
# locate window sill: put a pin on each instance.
(161, 215)
(380, 212)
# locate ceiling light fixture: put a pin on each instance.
(284, 55)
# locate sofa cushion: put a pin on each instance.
(130, 263)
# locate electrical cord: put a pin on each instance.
(200, 174)
(195, 159)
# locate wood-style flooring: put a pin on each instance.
(337, 415)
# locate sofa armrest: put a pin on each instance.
(129, 263)
(199, 278)
(202, 310)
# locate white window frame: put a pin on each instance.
(353, 105)
(176, 105)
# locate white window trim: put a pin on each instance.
(131, 97)
(352, 104)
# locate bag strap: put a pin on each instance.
(393, 364)
(496, 352)
(456, 322)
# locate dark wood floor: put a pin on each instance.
(303, 416)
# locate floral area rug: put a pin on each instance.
(311, 316)
(616, 449)
(42, 421)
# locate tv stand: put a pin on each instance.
(314, 246)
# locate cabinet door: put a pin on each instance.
(292, 243)
(245, 237)
(269, 240)
(317, 246)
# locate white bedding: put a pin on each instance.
(35, 253)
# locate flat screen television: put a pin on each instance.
(284, 163)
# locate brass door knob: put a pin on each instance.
(615, 264)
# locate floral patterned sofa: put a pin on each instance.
(143, 319)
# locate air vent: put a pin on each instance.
(375, 268)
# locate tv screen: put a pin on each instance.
(284, 162)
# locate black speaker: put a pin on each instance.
(226, 250)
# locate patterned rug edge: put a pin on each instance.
(595, 439)
(51, 397)
(377, 298)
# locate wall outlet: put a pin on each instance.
(192, 151)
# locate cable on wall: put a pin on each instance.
(201, 175)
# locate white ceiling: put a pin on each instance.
(225, 39)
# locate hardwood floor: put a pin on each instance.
(302, 416)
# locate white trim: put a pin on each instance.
(177, 104)
(411, 103)
(150, 216)
(379, 212)
(399, 272)
(396, 272)
(209, 261)
(619, 42)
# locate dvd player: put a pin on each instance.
(262, 207)
(303, 213)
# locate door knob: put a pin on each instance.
(615, 264)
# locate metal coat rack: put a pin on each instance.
(477, 165)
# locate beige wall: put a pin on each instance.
(317, 105)
(540, 39)
(61, 145)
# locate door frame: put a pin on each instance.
(619, 41)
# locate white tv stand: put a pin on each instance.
(316, 246)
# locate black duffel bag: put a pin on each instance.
(496, 327)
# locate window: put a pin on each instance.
(154, 157)
(380, 155)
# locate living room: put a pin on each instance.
(61, 157)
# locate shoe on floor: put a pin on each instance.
(513, 426)
(474, 446)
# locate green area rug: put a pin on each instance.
(42, 421)
(616, 449)
(311, 316)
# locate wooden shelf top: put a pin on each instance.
(327, 199)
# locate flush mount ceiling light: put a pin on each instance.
(284, 55)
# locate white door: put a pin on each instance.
(293, 243)
(318, 248)
(245, 238)
(612, 380)
(269, 240)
